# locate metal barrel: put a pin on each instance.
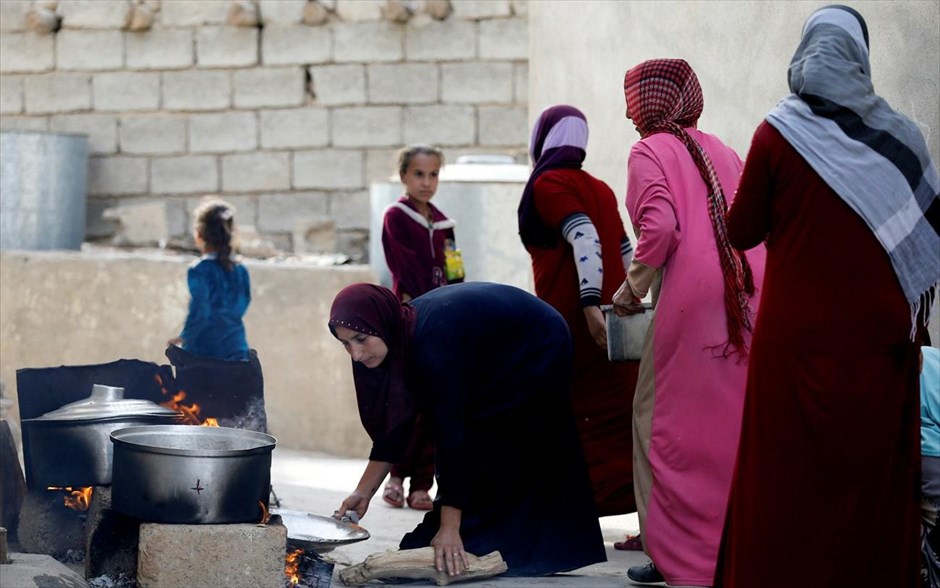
(42, 190)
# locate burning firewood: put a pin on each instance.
(418, 564)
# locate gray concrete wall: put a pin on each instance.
(85, 308)
(580, 50)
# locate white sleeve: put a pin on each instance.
(578, 230)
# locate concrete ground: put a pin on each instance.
(318, 483)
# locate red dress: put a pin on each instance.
(602, 391)
(825, 491)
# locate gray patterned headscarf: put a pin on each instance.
(873, 157)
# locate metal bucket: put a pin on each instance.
(43, 179)
(188, 474)
(626, 335)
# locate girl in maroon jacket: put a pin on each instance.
(421, 255)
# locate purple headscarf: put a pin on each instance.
(386, 406)
(559, 140)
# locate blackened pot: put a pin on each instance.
(71, 446)
(186, 474)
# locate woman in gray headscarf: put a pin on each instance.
(842, 189)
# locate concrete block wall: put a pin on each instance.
(292, 118)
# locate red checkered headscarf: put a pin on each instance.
(664, 96)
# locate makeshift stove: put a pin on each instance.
(143, 533)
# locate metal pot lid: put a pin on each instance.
(319, 533)
(105, 402)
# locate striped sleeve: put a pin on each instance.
(626, 252)
(578, 230)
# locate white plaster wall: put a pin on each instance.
(74, 308)
(740, 50)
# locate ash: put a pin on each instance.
(73, 556)
(121, 581)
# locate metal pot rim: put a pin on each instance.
(132, 439)
(135, 418)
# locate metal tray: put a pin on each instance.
(319, 533)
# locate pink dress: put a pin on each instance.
(689, 398)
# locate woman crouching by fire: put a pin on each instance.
(489, 365)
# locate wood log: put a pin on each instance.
(418, 564)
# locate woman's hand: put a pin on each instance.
(626, 301)
(449, 555)
(597, 325)
(175, 341)
(356, 501)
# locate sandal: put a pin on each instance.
(420, 500)
(394, 494)
(630, 543)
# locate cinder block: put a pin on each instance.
(153, 135)
(519, 7)
(503, 126)
(339, 84)
(350, 210)
(440, 125)
(256, 172)
(100, 128)
(367, 126)
(368, 42)
(504, 38)
(476, 83)
(295, 44)
(237, 556)
(480, 9)
(57, 92)
(409, 83)
(280, 86)
(193, 13)
(24, 123)
(282, 11)
(117, 175)
(26, 52)
(381, 164)
(197, 90)
(11, 94)
(328, 169)
(281, 212)
(226, 46)
(521, 83)
(89, 50)
(184, 175)
(360, 10)
(125, 91)
(13, 15)
(159, 49)
(445, 40)
(93, 14)
(294, 127)
(223, 132)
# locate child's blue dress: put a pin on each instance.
(219, 299)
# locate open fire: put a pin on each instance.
(292, 567)
(78, 499)
(189, 413)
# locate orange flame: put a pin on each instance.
(190, 414)
(79, 499)
(292, 567)
(265, 515)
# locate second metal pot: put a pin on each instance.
(191, 475)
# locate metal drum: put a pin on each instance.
(43, 179)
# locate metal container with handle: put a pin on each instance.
(188, 474)
(71, 446)
(626, 335)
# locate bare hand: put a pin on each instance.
(178, 341)
(449, 555)
(356, 501)
(596, 324)
(626, 302)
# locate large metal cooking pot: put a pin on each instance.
(189, 474)
(71, 446)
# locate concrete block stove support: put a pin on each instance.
(111, 539)
(243, 555)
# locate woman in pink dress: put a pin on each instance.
(690, 392)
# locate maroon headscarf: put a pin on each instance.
(565, 150)
(386, 406)
(664, 96)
